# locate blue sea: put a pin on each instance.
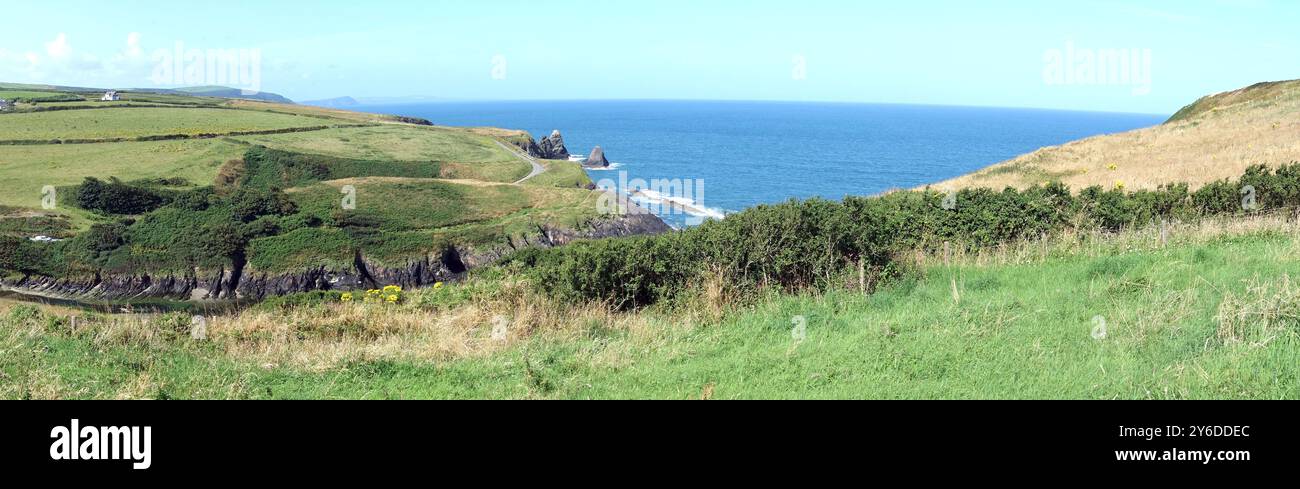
(750, 153)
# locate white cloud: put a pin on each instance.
(59, 47)
(133, 48)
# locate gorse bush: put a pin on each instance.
(115, 197)
(812, 244)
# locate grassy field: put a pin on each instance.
(406, 204)
(258, 105)
(561, 174)
(1214, 138)
(27, 94)
(418, 214)
(463, 155)
(136, 122)
(26, 169)
(1214, 314)
(417, 217)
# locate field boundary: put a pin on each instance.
(175, 137)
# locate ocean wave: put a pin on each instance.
(612, 166)
(667, 203)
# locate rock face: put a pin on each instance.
(240, 283)
(552, 147)
(529, 147)
(597, 159)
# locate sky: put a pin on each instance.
(1101, 55)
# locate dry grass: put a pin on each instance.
(325, 336)
(1260, 315)
(1097, 243)
(1228, 133)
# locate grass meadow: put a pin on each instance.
(145, 121)
(417, 217)
(1214, 313)
(463, 155)
(27, 94)
(25, 169)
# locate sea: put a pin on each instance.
(716, 158)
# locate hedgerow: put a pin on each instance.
(812, 244)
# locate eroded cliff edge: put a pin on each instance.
(236, 281)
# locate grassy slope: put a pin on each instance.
(25, 94)
(27, 168)
(463, 155)
(419, 216)
(1217, 137)
(561, 174)
(135, 122)
(1206, 317)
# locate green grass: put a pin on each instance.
(1015, 331)
(12, 95)
(138, 122)
(27, 169)
(416, 217)
(414, 204)
(561, 174)
(461, 153)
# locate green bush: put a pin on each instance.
(809, 244)
(24, 257)
(115, 197)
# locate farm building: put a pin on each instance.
(110, 96)
(5, 104)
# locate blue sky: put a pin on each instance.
(994, 53)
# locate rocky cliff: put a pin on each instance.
(552, 147)
(363, 273)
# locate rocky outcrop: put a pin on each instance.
(552, 147)
(596, 159)
(363, 273)
(419, 121)
(529, 146)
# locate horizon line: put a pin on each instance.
(443, 100)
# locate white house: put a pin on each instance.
(110, 96)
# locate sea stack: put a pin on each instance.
(552, 147)
(597, 158)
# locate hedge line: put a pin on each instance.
(812, 243)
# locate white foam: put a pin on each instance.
(612, 166)
(688, 206)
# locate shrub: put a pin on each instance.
(115, 197)
(807, 244)
(248, 204)
(15, 254)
